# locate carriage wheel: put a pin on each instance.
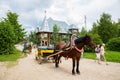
(36, 58)
(39, 60)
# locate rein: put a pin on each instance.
(77, 49)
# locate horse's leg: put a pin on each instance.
(73, 71)
(77, 69)
(56, 61)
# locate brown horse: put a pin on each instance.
(74, 53)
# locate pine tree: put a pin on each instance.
(18, 30)
(55, 35)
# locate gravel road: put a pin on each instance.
(28, 69)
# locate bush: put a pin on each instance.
(113, 44)
(6, 38)
(96, 39)
(11, 32)
(88, 49)
(12, 57)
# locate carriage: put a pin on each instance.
(42, 53)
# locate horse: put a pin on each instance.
(74, 53)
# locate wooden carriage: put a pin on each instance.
(42, 53)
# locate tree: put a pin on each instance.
(11, 32)
(96, 39)
(67, 37)
(118, 27)
(114, 44)
(94, 30)
(106, 30)
(18, 30)
(7, 38)
(55, 35)
(83, 32)
(33, 37)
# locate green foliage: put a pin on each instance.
(7, 38)
(55, 35)
(33, 37)
(106, 30)
(83, 32)
(12, 57)
(94, 30)
(96, 39)
(18, 30)
(10, 33)
(118, 28)
(111, 56)
(88, 49)
(114, 44)
(67, 37)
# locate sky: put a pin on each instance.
(32, 12)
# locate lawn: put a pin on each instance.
(12, 57)
(111, 56)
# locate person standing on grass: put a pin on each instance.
(97, 51)
(102, 52)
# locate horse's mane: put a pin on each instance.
(81, 39)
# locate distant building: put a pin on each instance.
(44, 32)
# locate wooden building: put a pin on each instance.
(44, 33)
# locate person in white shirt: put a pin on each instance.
(102, 52)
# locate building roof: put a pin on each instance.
(73, 26)
(47, 25)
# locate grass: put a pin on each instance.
(12, 57)
(111, 56)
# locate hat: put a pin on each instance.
(98, 45)
(73, 34)
(103, 44)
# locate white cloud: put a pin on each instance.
(31, 12)
(3, 9)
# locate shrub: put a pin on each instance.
(96, 39)
(113, 44)
(7, 38)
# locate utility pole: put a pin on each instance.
(85, 22)
(45, 12)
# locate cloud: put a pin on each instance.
(3, 10)
(31, 12)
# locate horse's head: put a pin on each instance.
(86, 40)
(89, 41)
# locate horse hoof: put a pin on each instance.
(73, 73)
(78, 73)
(56, 66)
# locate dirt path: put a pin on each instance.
(29, 69)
